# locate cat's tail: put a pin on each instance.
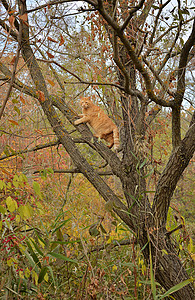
(116, 138)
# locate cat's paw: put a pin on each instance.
(76, 122)
(116, 148)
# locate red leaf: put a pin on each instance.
(23, 17)
(52, 40)
(61, 40)
(41, 96)
(13, 60)
(50, 55)
(22, 99)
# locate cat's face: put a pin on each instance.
(85, 102)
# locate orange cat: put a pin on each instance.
(103, 126)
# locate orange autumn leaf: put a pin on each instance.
(52, 40)
(11, 20)
(22, 99)
(68, 253)
(13, 122)
(51, 82)
(50, 55)
(39, 131)
(5, 171)
(41, 96)
(23, 17)
(61, 40)
(11, 12)
(13, 60)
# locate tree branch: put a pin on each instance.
(76, 171)
(176, 110)
(36, 148)
(168, 180)
(80, 162)
(131, 13)
(137, 61)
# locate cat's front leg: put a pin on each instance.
(82, 120)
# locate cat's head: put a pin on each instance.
(85, 102)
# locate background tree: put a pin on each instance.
(141, 69)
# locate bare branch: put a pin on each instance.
(155, 73)
(8, 29)
(136, 60)
(81, 81)
(131, 13)
(76, 171)
(36, 148)
(156, 21)
(176, 110)
(50, 3)
(12, 79)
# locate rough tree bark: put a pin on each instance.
(148, 223)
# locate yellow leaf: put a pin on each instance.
(11, 204)
(46, 277)
(27, 272)
(35, 276)
(17, 219)
(10, 261)
(21, 275)
(114, 268)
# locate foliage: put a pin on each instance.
(45, 259)
(58, 238)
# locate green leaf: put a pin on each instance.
(50, 170)
(31, 261)
(109, 205)
(134, 155)
(40, 238)
(62, 224)
(52, 275)
(34, 256)
(37, 248)
(150, 173)
(17, 110)
(3, 210)
(153, 284)
(93, 231)
(36, 187)
(144, 247)
(42, 274)
(103, 229)
(62, 257)
(176, 288)
(143, 163)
